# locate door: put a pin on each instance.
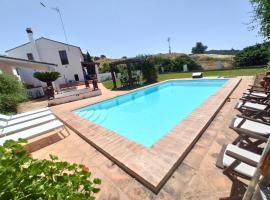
(76, 77)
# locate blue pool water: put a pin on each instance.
(146, 115)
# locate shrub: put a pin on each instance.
(104, 68)
(181, 60)
(253, 56)
(149, 70)
(23, 177)
(163, 64)
(12, 92)
(122, 69)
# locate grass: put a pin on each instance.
(228, 73)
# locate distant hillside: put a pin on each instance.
(209, 61)
(223, 52)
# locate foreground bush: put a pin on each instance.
(12, 92)
(253, 56)
(22, 177)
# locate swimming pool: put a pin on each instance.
(145, 115)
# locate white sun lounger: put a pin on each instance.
(251, 105)
(24, 119)
(242, 168)
(251, 125)
(26, 125)
(6, 117)
(35, 131)
(256, 94)
(197, 75)
(250, 128)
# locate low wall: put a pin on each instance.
(74, 96)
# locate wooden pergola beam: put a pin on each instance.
(127, 62)
(113, 76)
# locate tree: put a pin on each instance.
(124, 57)
(12, 93)
(199, 48)
(96, 58)
(261, 9)
(102, 56)
(256, 55)
(47, 77)
(88, 58)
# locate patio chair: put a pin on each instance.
(237, 162)
(6, 117)
(249, 128)
(17, 120)
(254, 109)
(34, 131)
(26, 125)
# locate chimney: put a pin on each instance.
(32, 44)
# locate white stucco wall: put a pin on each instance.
(49, 52)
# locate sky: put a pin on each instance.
(119, 28)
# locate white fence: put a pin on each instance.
(108, 76)
(105, 76)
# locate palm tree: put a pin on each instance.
(48, 78)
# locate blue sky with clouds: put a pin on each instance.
(119, 28)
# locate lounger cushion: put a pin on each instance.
(29, 113)
(3, 123)
(32, 132)
(28, 118)
(242, 168)
(4, 117)
(251, 105)
(260, 94)
(27, 124)
(256, 127)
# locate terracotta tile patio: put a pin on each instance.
(195, 178)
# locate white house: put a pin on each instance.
(67, 57)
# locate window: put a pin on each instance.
(30, 56)
(63, 57)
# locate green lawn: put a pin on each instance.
(227, 73)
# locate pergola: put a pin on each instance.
(91, 66)
(128, 62)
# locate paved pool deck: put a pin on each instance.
(195, 178)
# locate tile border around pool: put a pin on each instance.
(151, 166)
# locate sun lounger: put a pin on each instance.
(250, 128)
(24, 119)
(6, 117)
(241, 161)
(252, 105)
(237, 162)
(254, 109)
(256, 95)
(33, 132)
(26, 125)
(197, 75)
